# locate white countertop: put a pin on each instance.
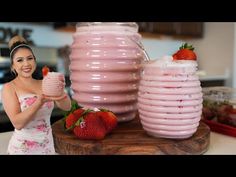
(4, 139)
(213, 77)
(219, 144)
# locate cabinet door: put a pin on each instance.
(157, 27)
(194, 29)
(186, 29)
(164, 28)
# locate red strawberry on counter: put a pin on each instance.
(224, 109)
(232, 116)
(45, 71)
(109, 119)
(207, 113)
(223, 112)
(185, 52)
(90, 127)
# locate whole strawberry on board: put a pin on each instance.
(72, 118)
(185, 52)
(69, 117)
(89, 124)
(90, 127)
(108, 118)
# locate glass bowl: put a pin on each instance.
(219, 105)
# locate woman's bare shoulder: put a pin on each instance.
(8, 87)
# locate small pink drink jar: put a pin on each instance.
(53, 84)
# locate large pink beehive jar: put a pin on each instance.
(105, 67)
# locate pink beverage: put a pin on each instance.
(170, 98)
(105, 67)
(53, 84)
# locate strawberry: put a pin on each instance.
(79, 112)
(232, 111)
(185, 52)
(224, 109)
(90, 126)
(223, 112)
(232, 116)
(45, 71)
(108, 118)
(208, 113)
(72, 118)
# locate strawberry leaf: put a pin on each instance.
(103, 110)
(74, 106)
(186, 46)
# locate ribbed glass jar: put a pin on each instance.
(170, 98)
(105, 64)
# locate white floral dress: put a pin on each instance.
(36, 137)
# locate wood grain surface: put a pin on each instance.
(130, 139)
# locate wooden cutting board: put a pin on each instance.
(130, 139)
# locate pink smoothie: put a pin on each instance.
(170, 98)
(105, 67)
(53, 84)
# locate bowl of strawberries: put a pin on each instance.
(219, 108)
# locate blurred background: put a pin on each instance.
(214, 42)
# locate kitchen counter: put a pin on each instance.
(213, 77)
(4, 139)
(219, 144)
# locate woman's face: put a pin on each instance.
(24, 62)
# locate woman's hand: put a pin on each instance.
(63, 101)
(55, 98)
(41, 99)
(44, 98)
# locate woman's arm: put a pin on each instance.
(12, 107)
(64, 103)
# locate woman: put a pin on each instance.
(27, 108)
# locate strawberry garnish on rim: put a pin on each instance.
(45, 71)
(185, 52)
